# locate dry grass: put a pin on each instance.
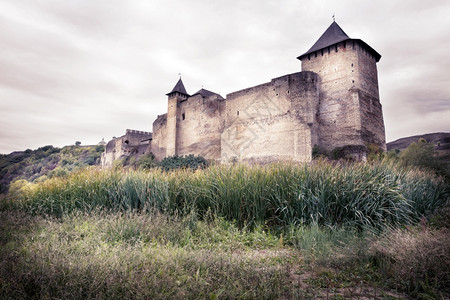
(417, 260)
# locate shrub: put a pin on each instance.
(147, 161)
(183, 162)
(422, 154)
(318, 152)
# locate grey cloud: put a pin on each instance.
(90, 69)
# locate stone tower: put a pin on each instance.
(349, 114)
(177, 95)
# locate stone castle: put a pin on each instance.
(333, 103)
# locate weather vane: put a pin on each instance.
(179, 74)
(333, 18)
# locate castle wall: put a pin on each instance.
(113, 151)
(199, 125)
(333, 103)
(133, 144)
(347, 76)
(372, 131)
(272, 121)
(171, 129)
(158, 145)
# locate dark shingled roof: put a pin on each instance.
(333, 35)
(206, 93)
(179, 87)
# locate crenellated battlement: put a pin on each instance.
(132, 131)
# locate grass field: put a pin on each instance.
(280, 231)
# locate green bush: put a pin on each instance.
(147, 161)
(183, 162)
(422, 154)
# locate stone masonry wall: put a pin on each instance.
(272, 121)
(346, 76)
(158, 145)
(199, 124)
(373, 131)
(133, 144)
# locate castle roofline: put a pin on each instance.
(205, 93)
(178, 88)
(332, 36)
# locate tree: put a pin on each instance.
(77, 143)
(422, 154)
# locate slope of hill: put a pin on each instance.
(45, 162)
(440, 139)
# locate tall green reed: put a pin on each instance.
(277, 195)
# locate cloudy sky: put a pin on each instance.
(84, 70)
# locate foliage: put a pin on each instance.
(374, 152)
(422, 154)
(147, 161)
(278, 195)
(181, 162)
(32, 165)
(318, 152)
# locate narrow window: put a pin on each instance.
(183, 116)
(352, 65)
(321, 52)
(237, 113)
(328, 50)
(335, 48)
(309, 57)
(344, 44)
(315, 54)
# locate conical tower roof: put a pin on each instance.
(333, 35)
(179, 87)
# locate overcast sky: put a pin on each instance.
(89, 69)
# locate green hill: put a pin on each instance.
(441, 140)
(45, 162)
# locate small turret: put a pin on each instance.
(178, 90)
(177, 95)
